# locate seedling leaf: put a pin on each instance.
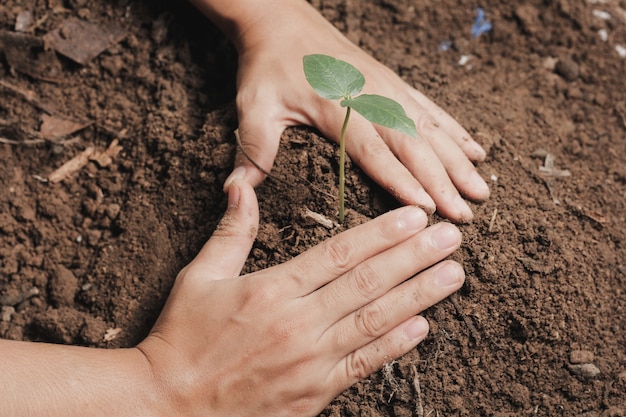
(382, 111)
(331, 78)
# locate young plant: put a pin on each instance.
(338, 80)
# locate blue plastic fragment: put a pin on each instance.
(481, 25)
(445, 45)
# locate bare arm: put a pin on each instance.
(40, 379)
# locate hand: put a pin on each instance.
(286, 340)
(273, 94)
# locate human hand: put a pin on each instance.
(273, 94)
(286, 340)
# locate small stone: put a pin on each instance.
(93, 331)
(7, 312)
(23, 21)
(581, 356)
(25, 213)
(587, 370)
(112, 211)
(63, 286)
(567, 69)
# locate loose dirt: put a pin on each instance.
(539, 327)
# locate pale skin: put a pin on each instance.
(279, 342)
(272, 36)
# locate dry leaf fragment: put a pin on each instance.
(53, 127)
(82, 41)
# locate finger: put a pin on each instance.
(461, 171)
(440, 164)
(258, 140)
(408, 299)
(373, 278)
(332, 258)
(449, 151)
(424, 163)
(225, 253)
(368, 150)
(463, 139)
(362, 362)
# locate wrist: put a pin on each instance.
(250, 22)
(171, 382)
(233, 18)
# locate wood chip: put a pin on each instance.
(111, 334)
(71, 166)
(104, 159)
(318, 218)
(549, 169)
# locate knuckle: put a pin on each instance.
(338, 253)
(252, 144)
(358, 365)
(419, 295)
(283, 331)
(373, 148)
(227, 227)
(370, 320)
(260, 294)
(365, 281)
(426, 124)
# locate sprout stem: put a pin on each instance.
(342, 165)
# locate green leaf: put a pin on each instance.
(331, 78)
(382, 111)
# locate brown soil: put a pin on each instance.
(546, 276)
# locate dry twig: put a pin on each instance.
(71, 166)
(475, 335)
(416, 385)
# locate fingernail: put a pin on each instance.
(465, 212)
(425, 201)
(445, 236)
(237, 174)
(448, 274)
(233, 195)
(416, 329)
(479, 151)
(478, 184)
(411, 218)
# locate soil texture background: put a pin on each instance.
(539, 327)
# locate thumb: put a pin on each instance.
(224, 255)
(258, 138)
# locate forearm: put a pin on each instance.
(39, 379)
(248, 22)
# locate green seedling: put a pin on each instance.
(338, 80)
